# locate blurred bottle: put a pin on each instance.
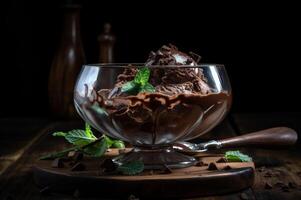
(106, 55)
(66, 65)
(106, 45)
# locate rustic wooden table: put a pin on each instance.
(278, 172)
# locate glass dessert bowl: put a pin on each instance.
(153, 107)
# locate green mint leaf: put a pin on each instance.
(118, 144)
(97, 149)
(142, 76)
(131, 168)
(114, 143)
(236, 156)
(89, 131)
(109, 141)
(147, 88)
(62, 134)
(130, 87)
(78, 137)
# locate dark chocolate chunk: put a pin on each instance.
(108, 166)
(78, 167)
(57, 163)
(227, 167)
(244, 196)
(221, 160)
(268, 186)
(212, 166)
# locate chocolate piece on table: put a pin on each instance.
(108, 165)
(57, 163)
(78, 167)
(227, 167)
(212, 166)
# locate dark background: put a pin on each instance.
(259, 44)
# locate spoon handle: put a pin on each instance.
(278, 136)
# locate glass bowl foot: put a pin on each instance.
(157, 158)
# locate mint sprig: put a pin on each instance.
(139, 83)
(84, 141)
(237, 156)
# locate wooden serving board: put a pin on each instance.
(180, 183)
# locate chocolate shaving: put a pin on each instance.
(195, 56)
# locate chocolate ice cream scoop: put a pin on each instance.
(173, 80)
(170, 55)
